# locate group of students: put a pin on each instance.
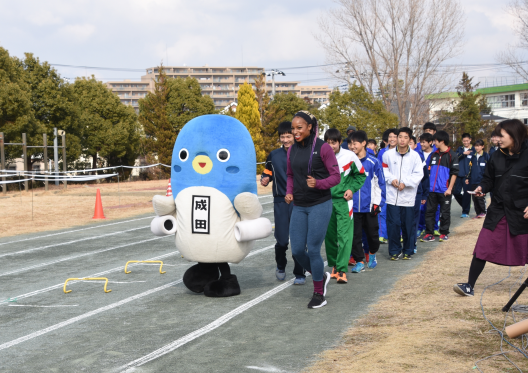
(341, 192)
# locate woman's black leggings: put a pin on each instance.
(476, 268)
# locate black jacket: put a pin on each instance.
(275, 169)
(506, 176)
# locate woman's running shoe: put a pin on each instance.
(464, 289)
(318, 301)
(427, 238)
(372, 263)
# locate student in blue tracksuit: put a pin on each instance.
(371, 147)
(464, 153)
(367, 203)
(389, 137)
(345, 144)
(426, 149)
(275, 171)
(443, 171)
(477, 166)
(427, 128)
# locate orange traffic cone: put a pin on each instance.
(169, 190)
(98, 214)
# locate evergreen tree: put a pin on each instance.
(110, 128)
(248, 113)
(358, 108)
(290, 103)
(164, 112)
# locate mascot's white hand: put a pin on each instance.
(164, 223)
(252, 226)
(248, 206)
(164, 205)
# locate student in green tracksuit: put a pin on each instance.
(340, 232)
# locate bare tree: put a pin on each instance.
(513, 56)
(394, 48)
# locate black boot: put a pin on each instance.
(226, 286)
(199, 275)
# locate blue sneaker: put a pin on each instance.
(415, 250)
(418, 233)
(299, 281)
(372, 263)
(359, 267)
(280, 274)
(464, 216)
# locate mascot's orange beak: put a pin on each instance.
(202, 164)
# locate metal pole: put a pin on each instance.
(24, 159)
(45, 141)
(56, 154)
(273, 83)
(2, 158)
(64, 165)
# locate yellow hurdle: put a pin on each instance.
(145, 261)
(86, 279)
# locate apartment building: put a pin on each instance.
(129, 92)
(220, 83)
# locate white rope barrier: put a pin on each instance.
(29, 173)
(69, 179)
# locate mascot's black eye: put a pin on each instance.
(223, 155)
(184, 154)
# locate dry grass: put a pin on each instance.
(59, 208)
(423, 326)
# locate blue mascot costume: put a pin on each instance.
(214, 211)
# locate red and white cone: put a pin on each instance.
(169, 190)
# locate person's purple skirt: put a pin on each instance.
(501, 247)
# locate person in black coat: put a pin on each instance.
(503, 239)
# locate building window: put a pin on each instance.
(501, 101)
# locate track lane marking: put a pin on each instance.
(70, 242)
(76, 230)
(103, 309)
(116, 269)
(74, 257)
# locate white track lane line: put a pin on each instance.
(70, 242)
(116, 269)
(103, 309)
(73, 257)
(130, 367)
(76, 230)
(31, 305)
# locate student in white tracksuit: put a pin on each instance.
(403, 170)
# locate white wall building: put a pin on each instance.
(508, 101)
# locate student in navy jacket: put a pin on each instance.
(464, 154)
(275, 171)
(421, 195)
(368, 201)
(477, 166)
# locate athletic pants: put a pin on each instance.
(338, 240)
(435, 200)
(421, 224)
(478, 202)
(401, 220)
(307, 232)
(365, 223)
(464, 200)
(282, 212)
(382, 216)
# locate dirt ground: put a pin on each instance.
(31, 212)
(423, 326)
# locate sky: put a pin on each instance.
(135, 34)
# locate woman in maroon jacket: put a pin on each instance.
(312, 171)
